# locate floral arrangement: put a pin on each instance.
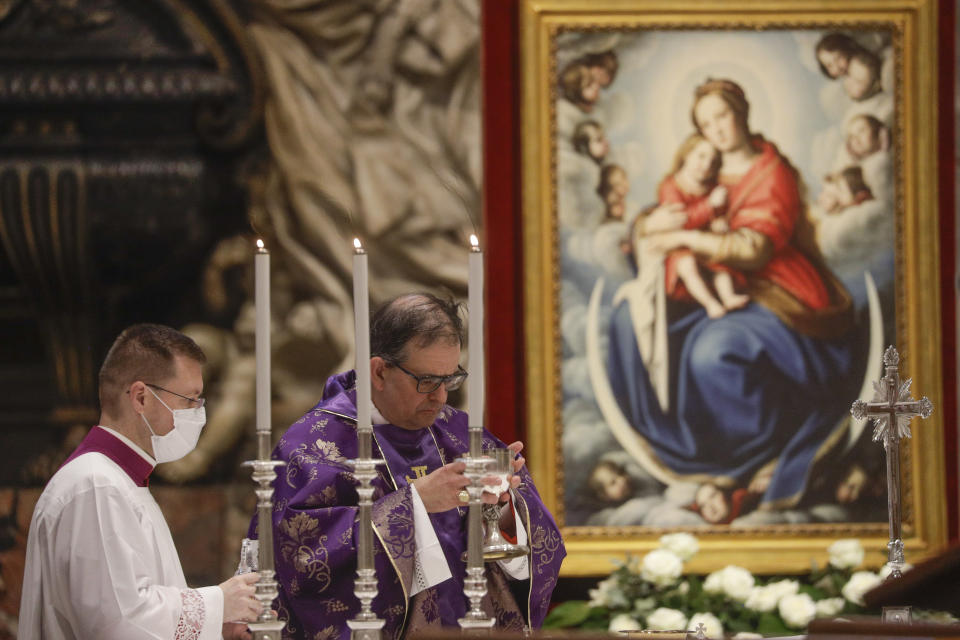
(653, 593)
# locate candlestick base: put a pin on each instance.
(268, 630)
(365, 629)
(476, 623)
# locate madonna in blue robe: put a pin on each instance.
(766, 385)
(745, 390)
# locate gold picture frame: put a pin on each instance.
(549, 32)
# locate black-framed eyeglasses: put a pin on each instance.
(430, 383)
(199, 402)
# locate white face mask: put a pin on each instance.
(182, 439)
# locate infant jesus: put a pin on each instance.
(692, 183)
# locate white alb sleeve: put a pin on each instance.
(429, 563)
(213, 612)
(98, 543)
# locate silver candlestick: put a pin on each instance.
(891, 410)
(475, 583)
(366, 625)
(267, 626)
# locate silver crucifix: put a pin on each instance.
(892, 409)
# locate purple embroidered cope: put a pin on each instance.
(315, 515)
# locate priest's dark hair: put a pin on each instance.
(419, 318)
(143, 352)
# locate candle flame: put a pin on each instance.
(474, 242)
(356, 243)
(259, 243)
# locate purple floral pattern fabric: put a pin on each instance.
(314, 524)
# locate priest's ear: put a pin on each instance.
(135, 395)
(377, 367)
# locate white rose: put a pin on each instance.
(664, 619)
(846, 554)
(767, 598)
(886, 569)
(735, 582)
(797, 610)
(829, 607)
(661, 567)
(858, 584)
(608, 594)
(784, 587)
(713, 583)
(762, 599)
(682, 544)
(624, 622)
(710, 622)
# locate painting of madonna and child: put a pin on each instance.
(726, 220)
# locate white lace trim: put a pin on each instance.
(420, 581)
(192, 615)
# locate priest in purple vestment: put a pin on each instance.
(419, 515)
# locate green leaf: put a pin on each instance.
(595, 624)
(569, 614)
(813, 592)
(838, 581)
(827, 585)
(600, 613)
(734, 625)
(696, 583)
(770, 624)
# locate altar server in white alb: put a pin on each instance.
(100, 559)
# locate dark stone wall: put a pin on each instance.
(125, 132)
(122, 126)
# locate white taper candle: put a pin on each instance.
(475, 387)
(361, 311)
(262, 342)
